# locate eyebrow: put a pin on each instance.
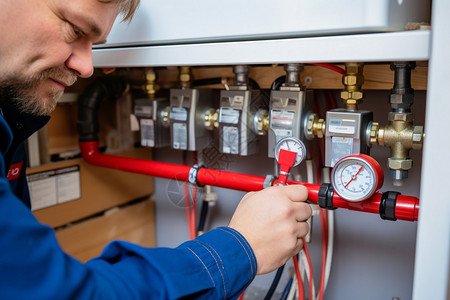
(95, 29)
(100, 43)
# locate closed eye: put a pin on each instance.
(77, 31)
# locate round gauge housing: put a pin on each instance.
(357, 177)
(291, 144)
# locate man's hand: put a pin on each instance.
(273, 222)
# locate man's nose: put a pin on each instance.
(80, 61)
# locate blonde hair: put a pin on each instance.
(127, 8)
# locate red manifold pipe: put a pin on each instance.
(407, 207)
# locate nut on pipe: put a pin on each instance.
(261, 121)
(211, 119)
(185, 77)
(353, 79)
(165, 114)
(150, 87)
(315, 127)
(373, 133)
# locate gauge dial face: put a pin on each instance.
(356, 178)
(291, 144)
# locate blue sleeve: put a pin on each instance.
(216, 265)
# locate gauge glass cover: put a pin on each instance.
(354, 179)
(292, 144)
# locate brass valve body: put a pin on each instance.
(400, 135)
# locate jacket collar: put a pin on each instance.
(21, 125)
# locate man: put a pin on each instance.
(45, 46)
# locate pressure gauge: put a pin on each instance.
(291, 144)
(356, 177)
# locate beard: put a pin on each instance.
(24, 95)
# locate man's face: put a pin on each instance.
(46, 45)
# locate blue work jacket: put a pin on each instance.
(217, 265)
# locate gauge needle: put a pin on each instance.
(354, 176)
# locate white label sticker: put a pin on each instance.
(340, 147)
(178, 113)
(147, 133)
(345, 126)
(282, 119)
(55, 186)
(229, 115)
(230, 140)
(179, 136)
(143, 111)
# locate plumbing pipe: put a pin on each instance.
(407, 207)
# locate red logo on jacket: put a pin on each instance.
(14, 171)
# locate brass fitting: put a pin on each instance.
(211, 119)
(319, 128)
(266, 123)
(165, 114)
(261, 122)
(315, 127)
(309, 130)
(400, 164)
(150, 86)
(373, 133)
(418, 137)
(185, 77)
(400, 135)
(352, 95)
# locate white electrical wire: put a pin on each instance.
(330, 213)
(293, 290)
(305, 262)
(330, 247)
(304, 268)
(309, 171)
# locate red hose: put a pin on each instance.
(301, 294)
(407, 207)
(324, 225)
(330, 67)
(311, 277)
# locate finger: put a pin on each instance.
(249, 194)
(302, 229)
(302, 211)
(298, 246)
(297, 192)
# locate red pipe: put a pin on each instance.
(90, 153)
(230, 180)
(407, 207)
